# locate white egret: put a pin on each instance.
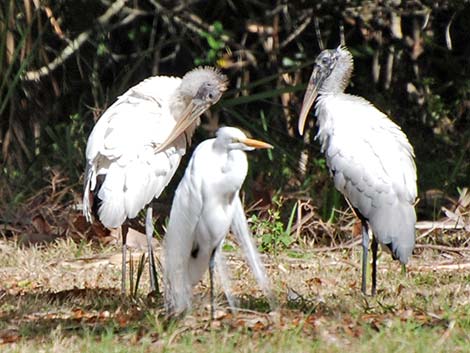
(137, 144)
(205, 206)
(369, 156)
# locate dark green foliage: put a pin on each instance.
(266, 51)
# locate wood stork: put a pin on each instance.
(205, 206)
(369, 156)
(137, 144)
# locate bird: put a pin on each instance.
(369, 157)
(137, 144)
(206, 205)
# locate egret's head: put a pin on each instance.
(331, 72)
(234, 139)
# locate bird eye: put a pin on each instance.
(325, 60)
(210, 95)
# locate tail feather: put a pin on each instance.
(87, 194)
(112, 212)
(243, 235)
(394, 226)
(136, 183)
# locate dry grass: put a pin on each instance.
(66, 297)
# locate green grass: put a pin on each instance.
(65, 297)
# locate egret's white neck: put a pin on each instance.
(221, 146)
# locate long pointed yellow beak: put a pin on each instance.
(189, 116)
(309, 97)
(256, 143)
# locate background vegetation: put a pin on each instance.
(62, 63)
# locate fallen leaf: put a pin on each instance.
(9, 336)
(314, 281)
(40, 224)
(78, 313)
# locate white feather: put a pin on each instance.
(243, 234)
(121, 147)
(373, 166)
(112, 213)
(178, 242)
(202, 212)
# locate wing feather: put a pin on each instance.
(184, 217)
(121, 147)
(112, 212)
(373, 166)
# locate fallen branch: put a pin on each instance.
(442, 248)
(348, 245)
(448, 267)
(445, 224)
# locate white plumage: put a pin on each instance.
(205, 206)
(369, 156)
(121, 147)
(372, 165)
(137, 144)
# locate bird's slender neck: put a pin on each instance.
(220, 146)
(178, 104)
(339, 78)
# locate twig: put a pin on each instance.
(449, 267)
(54, 22)
(176, 334)
(318, 33)
(445, 336)
(300, 222)
(448, 38)
(347, 245)
(74, 45)
(426, 233)
(389, 67)
(442, 248)
(445, 224)
(298, 31)
(250, 311)
(342, 39)
(427, 16)
(184, 21)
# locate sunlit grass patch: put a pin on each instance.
(65, 297)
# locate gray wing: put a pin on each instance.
(372, 165)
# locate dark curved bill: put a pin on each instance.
(312, 91)
(190, 114)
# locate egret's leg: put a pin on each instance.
(124, 230)
(374, 247)
(211, 279)
(149, 233)
(365, 250)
